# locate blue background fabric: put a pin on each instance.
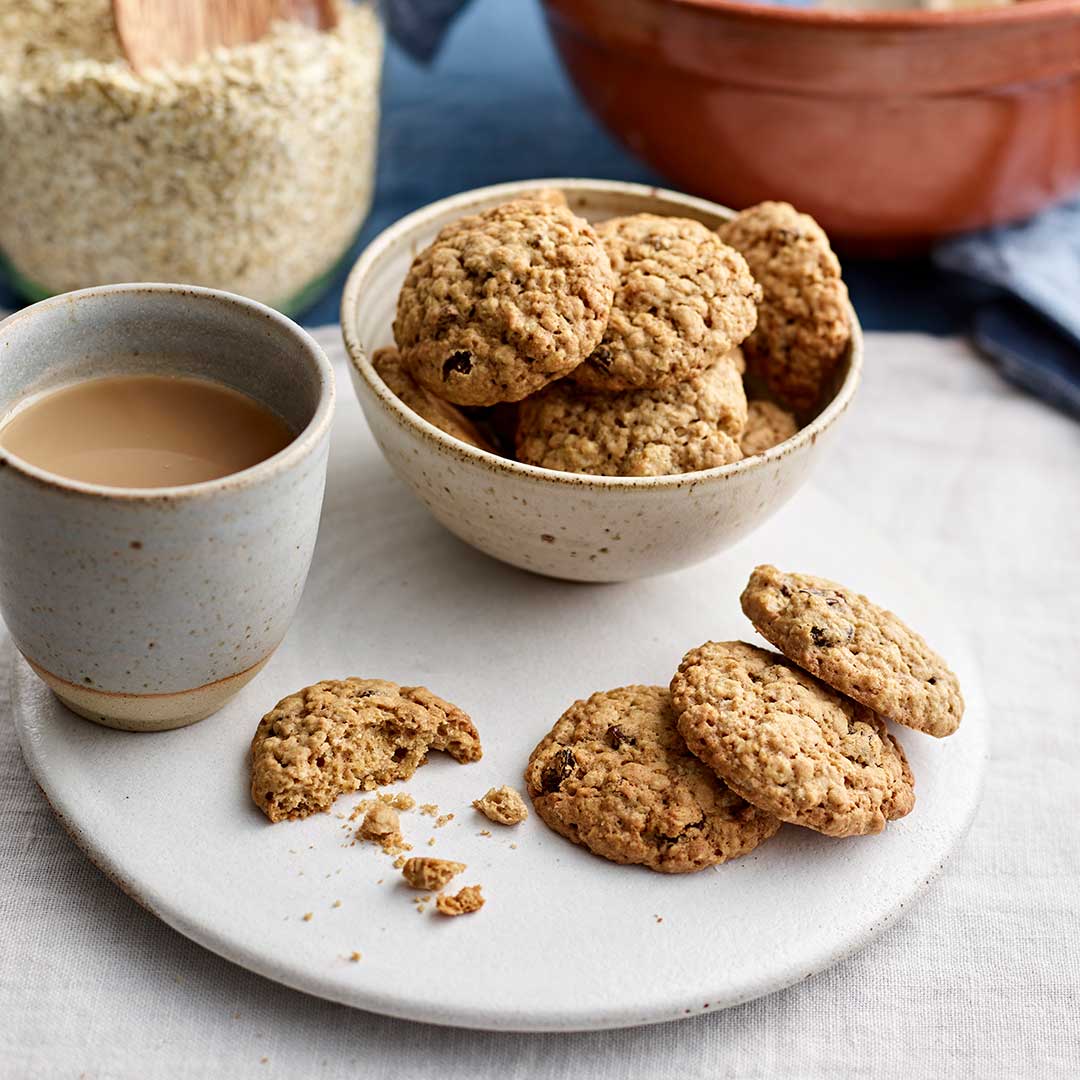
(494, 104)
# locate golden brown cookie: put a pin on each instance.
(788, 743)
(680, 429)
(502, 805)
(682, 301)
(767, 425)
(341, 736)
(503, 302)
(615, 776)
(803, 326)
(855, 646)
(446, 417)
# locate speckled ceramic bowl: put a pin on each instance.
(148, 609)
(584, 528)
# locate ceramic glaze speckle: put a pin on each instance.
(147, 609)
(578, 527)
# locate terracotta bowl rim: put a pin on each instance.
(1027, 11)
(399, 234)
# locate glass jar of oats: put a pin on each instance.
(250, 169)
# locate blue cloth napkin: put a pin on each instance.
(418, 26)
(1029, 319)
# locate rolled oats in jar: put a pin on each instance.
(250, 169)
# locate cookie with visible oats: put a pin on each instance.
(803, 325)
(446, 417)
(855, 646)
(680, 429)
(503, 302)
(614, 775)
(350, 735)
(767, 425)
(788, 743)
(683, 299)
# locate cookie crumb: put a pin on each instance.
(465, 902)
(429, 808)
(401, 801)
(336, 903)
(308, 916)
(513, 847)
(502, 805)
(382, 826)
(431, 841)
(443, 820)
(430, 874)
(485, 832)
(399, 862)
(354, 957)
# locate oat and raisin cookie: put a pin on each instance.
(341, 736)
(683, 299)
(767, 425)
(860, 649)
(788, 743)
(446, 417)
(803, 326)
(503, 302)
(615, 776)
(680, 429)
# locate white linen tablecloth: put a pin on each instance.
(979, 488)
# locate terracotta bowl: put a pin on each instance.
(583, 528)
(891, 128)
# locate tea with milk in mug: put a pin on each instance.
(144, 431)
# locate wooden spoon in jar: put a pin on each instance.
(157, 32)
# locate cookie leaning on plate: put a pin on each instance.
(855, 646)
(788, 743)
(350, 735)
(503, 302)
(682, 301)
(614, 775)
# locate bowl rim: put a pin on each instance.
(398, 234)
(897, 19)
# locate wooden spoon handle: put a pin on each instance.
(153, 33)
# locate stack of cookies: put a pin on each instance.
(619, 350)
(680, 778)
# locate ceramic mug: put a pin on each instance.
(147, 609)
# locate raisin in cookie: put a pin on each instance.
(615, 776)
(503, 302)
(860, 649)
(788, 743)
(680, 429)
(767, 425)
(446, 417)
(803, 326)
(682, 300)
(341, 736)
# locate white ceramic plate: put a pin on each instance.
(566, 940)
